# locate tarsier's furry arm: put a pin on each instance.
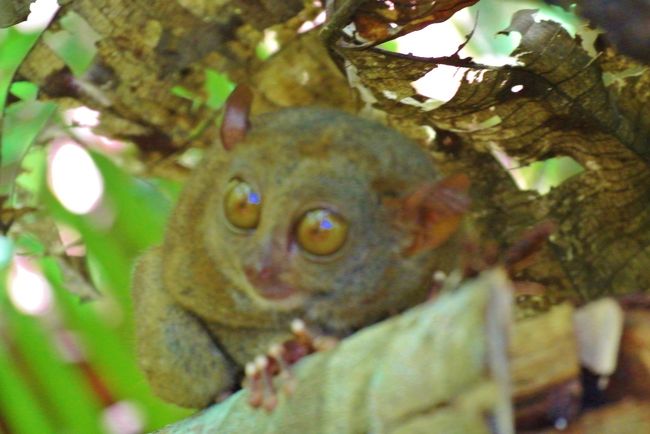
(303, 213)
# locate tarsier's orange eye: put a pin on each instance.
(321, 232)
(242, 204)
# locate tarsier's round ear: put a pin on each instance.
(433, 211)
(235, 122)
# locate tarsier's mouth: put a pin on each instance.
(268, 285)
(275, 292)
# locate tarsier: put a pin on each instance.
(303, 213)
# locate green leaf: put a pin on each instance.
(23, 123)
(18, 406)
(14, 46)
(64, 390)
(111, 353)
(217, 86)
(183, 92)
(25, 90)
(29, 244)
(75, 44)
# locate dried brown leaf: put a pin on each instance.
(377, 21)
(554, 103)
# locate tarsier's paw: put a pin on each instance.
(278, 362)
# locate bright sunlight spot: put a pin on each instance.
(270, 41)
(308, 25)
(440, 83)
(82, 121)
(28, 290)
(123, 418)
(41, 12)
(82, 116)
(540, 176)
(74, 178)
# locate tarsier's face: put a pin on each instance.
(305, 225)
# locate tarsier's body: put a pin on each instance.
(215, 295)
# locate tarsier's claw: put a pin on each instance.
(299, 330)
(254, 385)
(266, 368)
(260, 384)
(279, 353)
(278, 362)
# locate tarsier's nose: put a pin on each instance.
(261, 275)
(266, 282)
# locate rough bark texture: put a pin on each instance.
(13, 11)
(390, 378)
(145, 49)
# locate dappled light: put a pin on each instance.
(123, 417)
(540, 176)
(41, 12)
(29, 291)
(82, 120)
(440, 84)
(74, 178)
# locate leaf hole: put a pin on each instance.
(540, 176)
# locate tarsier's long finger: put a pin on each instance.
(288, 380)
(254, 385)
(270, 395)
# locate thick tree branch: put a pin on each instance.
(440, 367)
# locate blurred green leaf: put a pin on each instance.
(112, 355)
(139, 212)
(64, 390)
(131, 218)
(183, 92)
(217, 87)
(29, 244)
(24, 90)
(389, 46)
(262, 51)
(18, 406)
(170, 188)
(75, 44)
(14, 46)
(544, 175)
(32, 178)
(24, 121)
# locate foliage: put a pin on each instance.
(64, 368)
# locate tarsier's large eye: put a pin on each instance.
(321, 231)
(242, 204)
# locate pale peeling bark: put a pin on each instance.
(438, 368)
